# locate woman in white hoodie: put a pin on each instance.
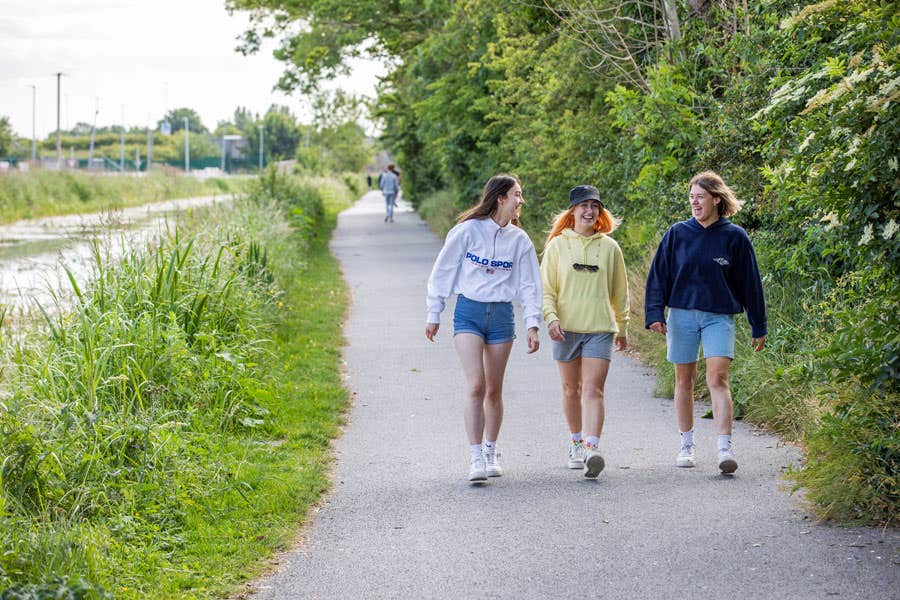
(489, 262)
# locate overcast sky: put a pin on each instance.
(137, 57)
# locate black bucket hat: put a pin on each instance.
(582, 193)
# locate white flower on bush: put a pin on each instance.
(867, 236)
(831, 221)
(892, 163)
(890, 229)
(806, 142)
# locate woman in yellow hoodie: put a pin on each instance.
(585, 306)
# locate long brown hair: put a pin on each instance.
(496, 186)
(605, 223)
(713, 183)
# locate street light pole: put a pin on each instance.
(58, 125)
(122, 144)
(187, 146)
(33, 118)
(261, 129)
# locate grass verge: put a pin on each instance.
(45, 193)
(173, 428)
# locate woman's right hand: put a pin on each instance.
(658, 327)
(556, 332)
(431, 330)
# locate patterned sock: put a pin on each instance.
(687, 438)
(592, 440)
(576, 437)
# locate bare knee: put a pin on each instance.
(571, 391)
(493, 394)
(594, 393)
(717, 380)
(476, 391)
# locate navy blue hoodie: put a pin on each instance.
(706, 268)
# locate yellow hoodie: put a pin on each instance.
(585, 301)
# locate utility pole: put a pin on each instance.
(93, 131)
(58, 125)
(149, 144)
(33, 118)
(122, 144)
(261, 129)
(187, 146)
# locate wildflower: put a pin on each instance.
(890, 229)
(892, 163)
(832, 221)
(867, 235)
(806, 142)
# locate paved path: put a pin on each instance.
(403, 522)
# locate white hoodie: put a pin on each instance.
(488, 263)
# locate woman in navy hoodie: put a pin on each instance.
(705, 272)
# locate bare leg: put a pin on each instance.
(495, 358)
(684, 395)
(720, 393)
(470, 349)
(570, 374)
(594, 371)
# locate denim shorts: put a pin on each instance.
(492, 321)
(687, 329)
(588, 345)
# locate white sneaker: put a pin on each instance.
(593, 462)
(576, 455)
(686, 457)
(491, 464)
(477, 471)
(727, 461)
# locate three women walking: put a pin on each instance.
(704, 272)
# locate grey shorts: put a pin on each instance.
(588, 345)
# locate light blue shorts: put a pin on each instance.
(686, 330)
(492, 321)
(588, 345)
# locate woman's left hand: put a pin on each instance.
(533, 342)
(758, 343)
(621, 343)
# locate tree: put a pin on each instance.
(176, 118)
(6, 137)
(282, 134)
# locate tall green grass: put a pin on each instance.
(173, 427)
(43, 193)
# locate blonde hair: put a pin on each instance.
(605, 223)
(713, 183)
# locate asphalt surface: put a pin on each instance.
(403, 522)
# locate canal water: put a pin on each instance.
(35, 253)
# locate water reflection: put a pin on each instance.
(35, 253)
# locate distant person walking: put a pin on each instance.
(705, 272)
(390, 187)
(586, 310)
(489, 262)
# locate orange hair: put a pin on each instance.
(605, 223)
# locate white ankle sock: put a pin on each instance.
(723, 442)
(687, 438)
(577, 437)
(476, 451)
(592, 440)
